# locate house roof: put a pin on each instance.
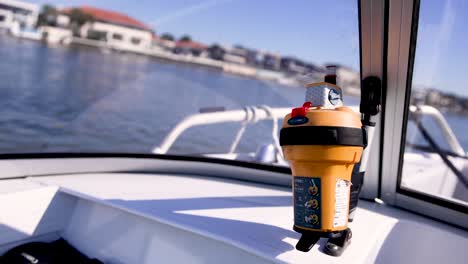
(190, 45)
(165, 42)
(111, 17)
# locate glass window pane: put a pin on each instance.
(79, 89)
(435, 161)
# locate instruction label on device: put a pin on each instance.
(307, 202)
(342, 190)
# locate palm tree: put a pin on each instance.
(216, 52)
(77, 19)
(167, 36)
(185, 38)
(47, 16)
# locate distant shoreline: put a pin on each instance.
(249, 72)
(227, 67)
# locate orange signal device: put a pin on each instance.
(322, 140)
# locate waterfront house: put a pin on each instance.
(250, 55)
(54, 26)
(242, 55)
(17, 15)
(312, 68)
(348, 79)
(117, 30)
(235, 54)
(271, 61)
(163, 44)
(296, 66)
(56, 35)
(233, 57)
(189, 48)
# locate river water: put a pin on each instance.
(57, 99)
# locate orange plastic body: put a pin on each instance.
(330, 163)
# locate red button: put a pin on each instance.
(301, 111)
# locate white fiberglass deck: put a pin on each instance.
(216, 216)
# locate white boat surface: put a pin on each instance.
(237, 207)
(136, 210)
(143, 217)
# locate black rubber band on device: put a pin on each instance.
(322, 135)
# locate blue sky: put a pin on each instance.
(298, 28)
(318, 31)
(442, 47)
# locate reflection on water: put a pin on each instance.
(56, 99)
(77, 100)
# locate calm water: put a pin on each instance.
(55, 99)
